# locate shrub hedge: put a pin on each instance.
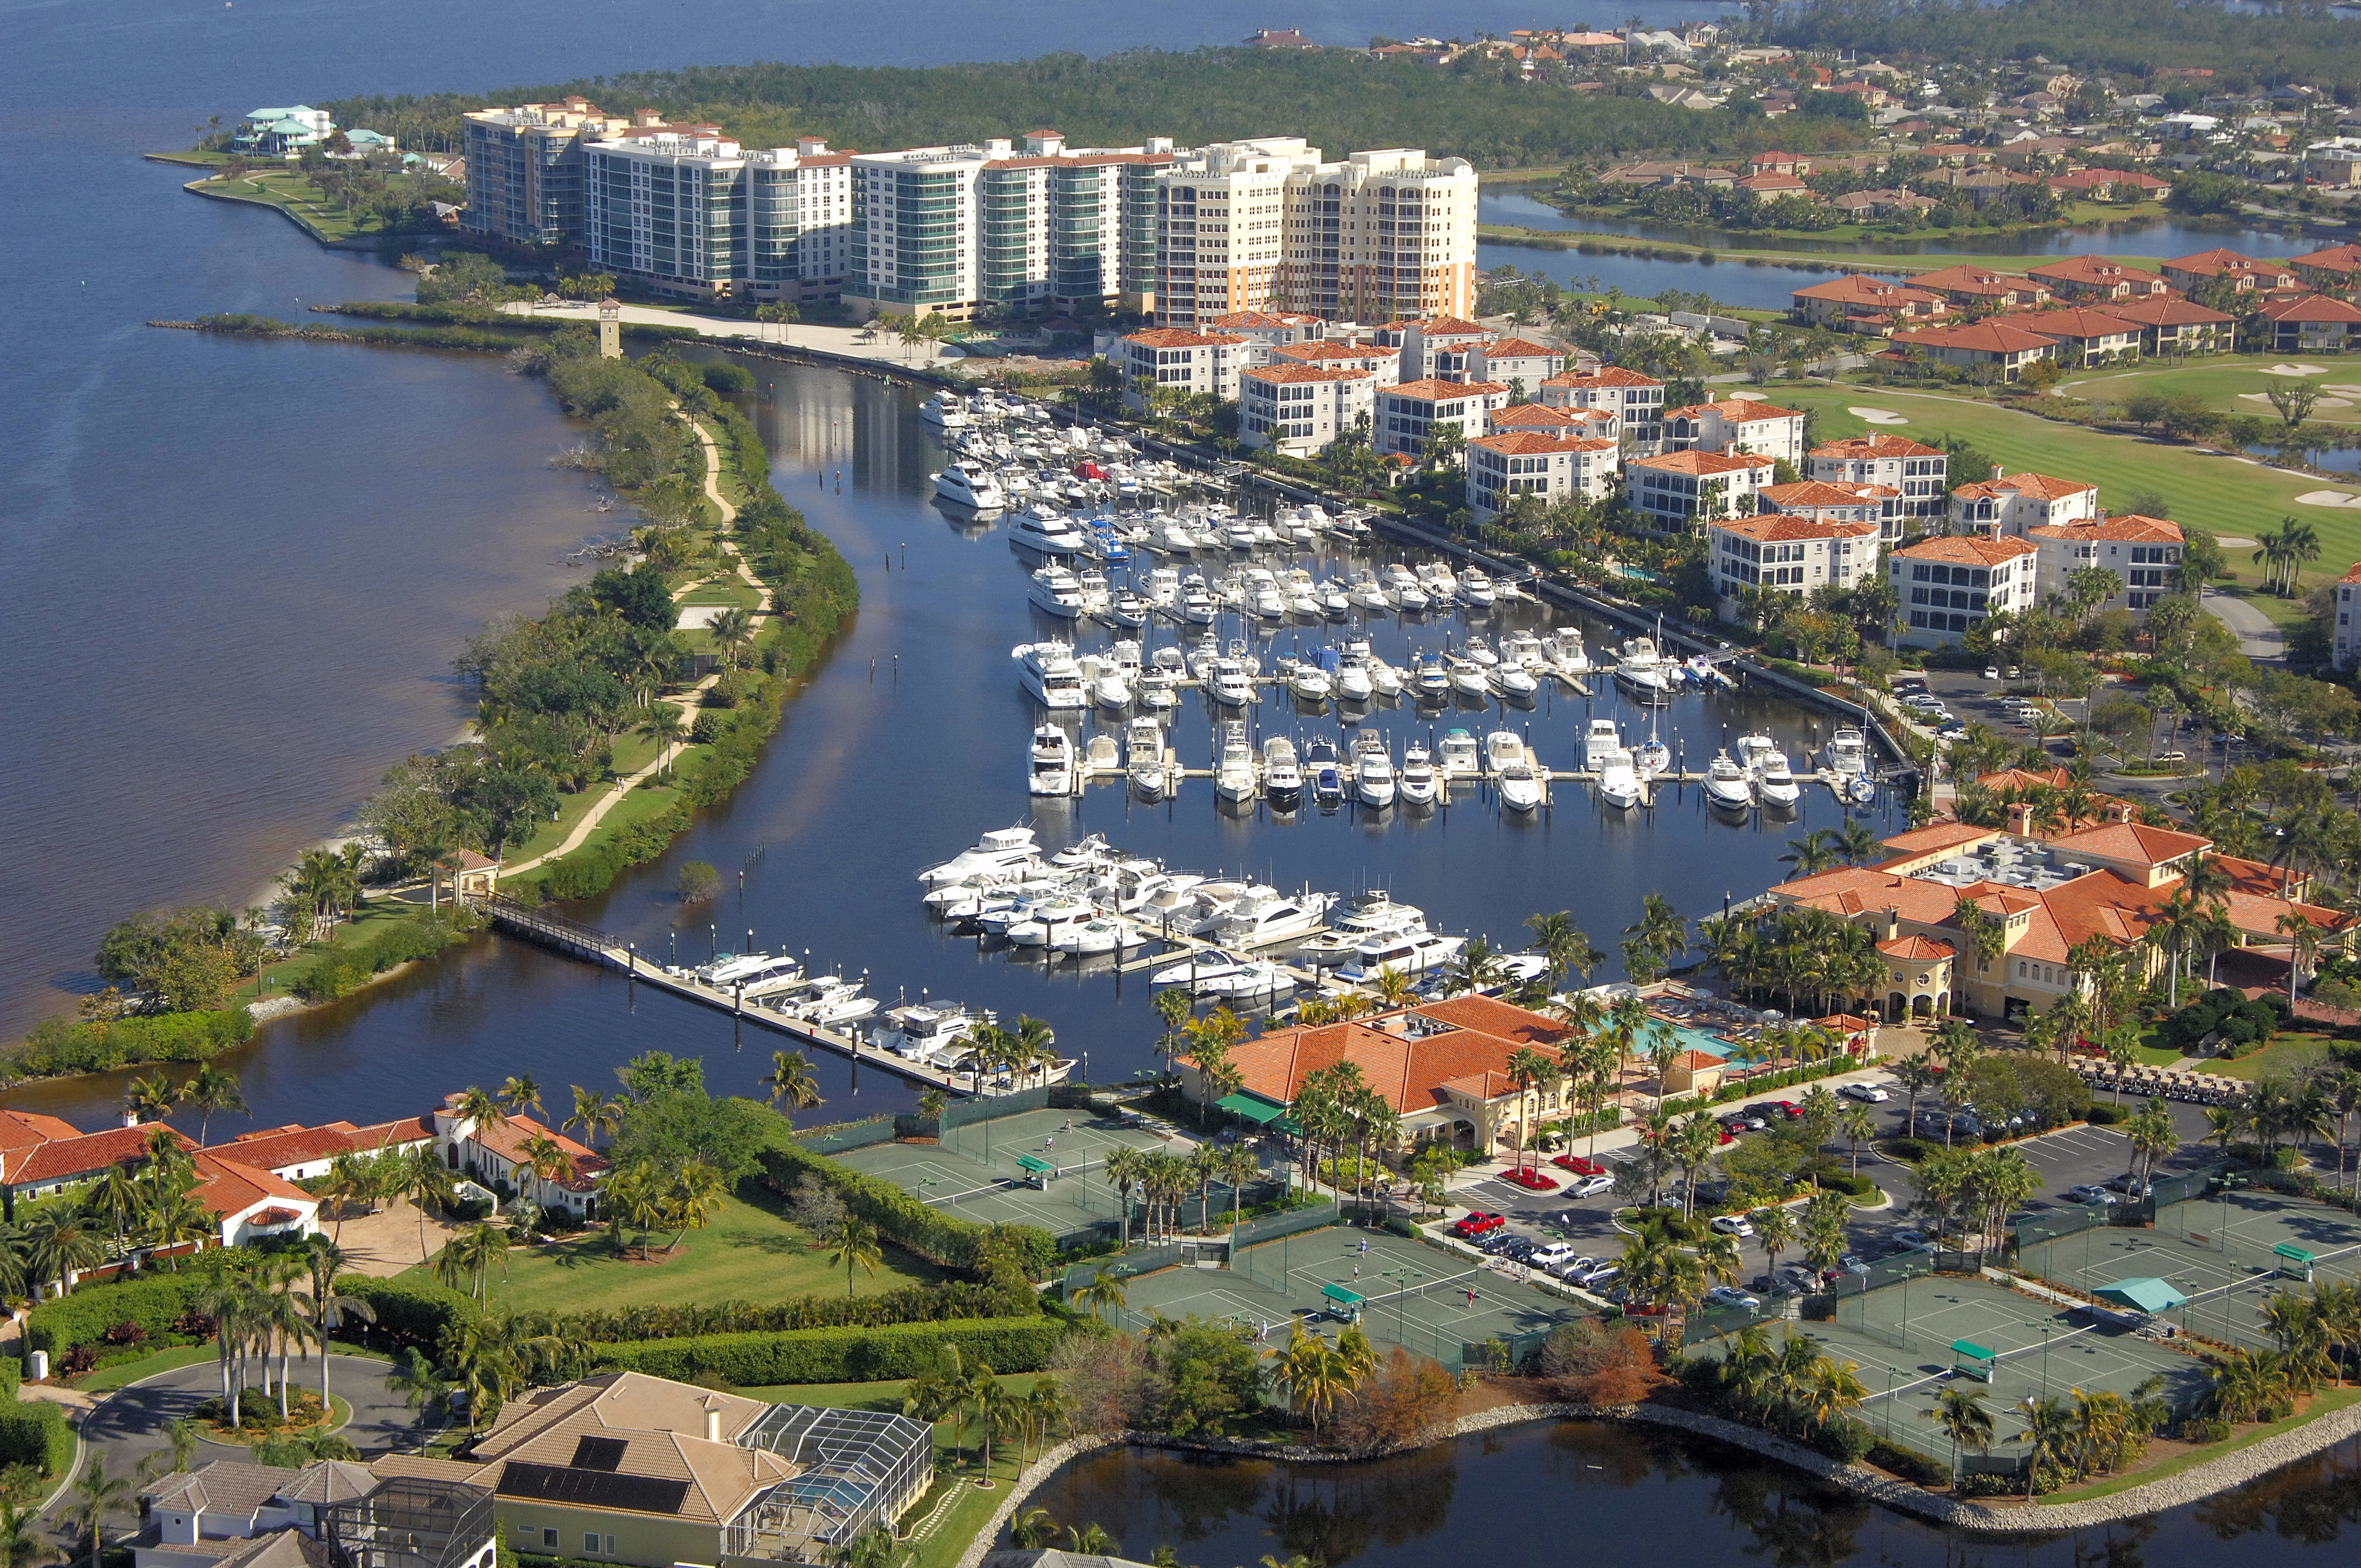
(35, 1432)
(153, 1300)
(12, 1376)
(57, 1045)
(342, 970)
(947, 1239)
(839, 1355)
(409, 1312)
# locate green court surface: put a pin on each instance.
(1900, 1339)
(989, 1170)
(2216, 1251)
(1411, 1294)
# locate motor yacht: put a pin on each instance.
(1202, 968)
(1775, 780)
(1726, 784)
(1057, 593)
(1349, 926)
(1163, 588)
(1231, 685)
(1257, 978)
(1467, 678)
(1418, 783)
(1848, 751)
(1476, 589)
(932, 1034)
(1402, 592)
(749, 970)
(1046, 920)
(970, 484)
(1431, 678)
(1308, 681)
(1520, 785)
(1513, 682)
(1567, 656)
(1336, 599)
(1047, 671)
(1045, 529)
(1366, 592)
(1354, 681)
(1386, 678)
(1144, 761)
(1196, 602)
(1125, 608)
(1373, 770)
(1001, 849)
(1092, 937)
(1523, 650)
(1435, 579)
(833, 1002)
(1282, 779)
(945, 411)
(1326, 772)
(1642, 672)
(1264, 916)
(1234, 774)
(1110, 689)
(1460, 760)
(1050, 769)
(1599, 739)
(1618, 780)
(1407, 953)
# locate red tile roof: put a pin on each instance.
(1531, 443)
(1826, 493)
(1857, 289)
(1177, 337)
(1605, 376)
(2135, 843)
(1541, 415)
(2037, 487)
(1519, 348)
(2077, 323)
(1974, 549)
(1408, 1073)
(85, 1154)
(2335, 258)
(1978, 281)
(1977, 337)
(226, 1186)
(1432, 391)
(1295, 374)
(2169, 313)
(2311, 308)
(1736, 410)
(1694, 462)
(2129, 527)
(1916, 949)
(1860, 447)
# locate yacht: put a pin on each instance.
(1366, 592)
(1048, 919)
(1652, 756)
(1056, 592)
(1726, 784)
(1354, 680)
(1203, 967)
(1195, 604)
(1051, 769)
(1476, 589)
(1503, 747)
(1599, 741)
(1435, 577)
(1373, 770)
(1618, 780)
(970, 484)
(1323, 767)
(1566, 655)
(1234, 774)
(1419, 784)
(1386, 678)
(1309, 681)
(1163, 588)
(833, 1001)
(1043, 528)
(1109, 688)
(1093, 938)
(1143, 755)
(1336, 599)
(1523, 650)
(1520, 785)
(749, 970)
(1231, 685)
(1467, 678)
(1255, 979)
(1848, 751)
(1376, 915)
(1514, 682)
(933, 1034)
(1407, 953)
(1002, 849)
(945, 411)
(1775, 780)
(1282, 780)
(1264, 916)
(1128, 609)
(1644, 673)
(1431, 679)
(1402, 592)
(1047, 671)
(1461, 763)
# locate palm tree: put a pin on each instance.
(1104, 1289)
(1562, 944)
(1313, 1376)
(213, 1089)
(663, 726)
(480, 1109)
(1858, 1127)
(1813, 853)
(792, 1084)
(1394, 989)
(998, 1406)
(1174, 1006)
(1033, 1047)
(421, 1177)
(1527, 1069)
(150, 1099)
(58, 1246)
(1122, 1169)
(329, 1307)
(697, 1195)
(97, 1495)
(2049, 1427)
(1235, 1166)
(520, 1094)
(1961, 1414)
(852, 1242)
(1774, 1233)
(593, 1114)
(20, 1545)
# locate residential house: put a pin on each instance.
(1979, 288)
(2243, 273)
(283, 133)
(1675, 491)
(1820, 534)
(1857, 303)
(2008, 504)
(1301, 409)
(2085, 336)
(2312, 323)
(1948, 585)
(1408, 414)
(1915, 472)
(296, 1153)
(1869, 207)
(2331, 271)
(2336, 163)
(1776, 162)
(1191, 364)
(2004, 350)
(1737, 425)
(1517, 363)
(2144, 553)
(2088, 278)
(1636, 400)
(1551, 467)
(517, 1152)
(1765, 186)
(1666, 176)
(2109, 185)
(328, 1514)
(2172, 326)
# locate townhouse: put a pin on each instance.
(2172, 326)
(1410, 414)
(1979, 288)
(1636, 400)
(1515, 362)
(2144, 553)
(1916, 473)
(1675, 491)
(1816, 545)
(2085, 336)
(1338, 354)
(2011, 504)
(1947, 585)
(1192, 364)
(1550, 467)
(2312, 323)
(2244, 274)
(1737, 425)
(1272, 329)
(1301, 409)
(1995, 346)
(1436, 350)
(1859, 303)
(2333, 271)
(2090, 280)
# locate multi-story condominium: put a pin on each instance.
(1279, 330)
(2144, 553)
(1438, 350)
(798, 222)
(1636, 400)
(1864, 304)
(1193, 364)
(951, 228)
(1591, 422)
(1522, 365)
(526, 170)
(1948, 585)
(1789, 552)
(1998, 346)
(1411, 413)
(1918, 472)
(1738, 425)
(1268, 225)
(1674, 490)
(2176, 326)
(666, 208)
(1302, 408)
(2346, 639)
(1548, 466)
(1830, 500)
(1334, 353)
(2011, 504)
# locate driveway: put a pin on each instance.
(2259, 636)
(129, 1425)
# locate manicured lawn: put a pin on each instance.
(2228, 383)
(2282, 1055)
(2222, 494)
(380, 913)
(106, 1380)
(2325, 1402)
(749, 1254)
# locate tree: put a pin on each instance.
(664, 726)
(593, 1114)
(793, 1087)
(421, 1177)
(1313, 1376)
(1961, 1414)
(149, 1099)
(97, 1495)
(212, 1089)
(519, 1094)
(1104, 1289)
(59, 1244)
(852, 1243)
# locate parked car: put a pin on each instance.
(1912, 1241)
(1951, 730)
(2126, 1186)
(1589, 1186)
(1550, 1255)
(1476, 1222)
(1991, 672)
(1796, 1280)
(1731, 1296)
(1733, 1225)
(2091, 1193)
(1575, 1268)
(1869, 1093)
(1600, 1277)
(1741, 1121)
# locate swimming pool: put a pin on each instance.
(1696, 1040)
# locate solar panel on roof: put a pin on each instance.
(592, 1488)
(599, 1453)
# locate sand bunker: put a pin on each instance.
(2232, 542)
(2328, 499)
(2297, 370)
(1878, 416)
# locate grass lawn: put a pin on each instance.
(748, 1253)
(106, 1380)
(2228, 383)
(377, 916)
(2222, 495)
(2284, 1053)
(2325, 1402)
(296, 194)
(731, 589)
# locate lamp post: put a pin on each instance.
(1401, 1277)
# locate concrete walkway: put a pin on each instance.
(2259, 637)
(854, 343)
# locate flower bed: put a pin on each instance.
(1530, 1180)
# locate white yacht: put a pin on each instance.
(1282, 778)
(1163, 588)
(1644, 673)
(1128, 609)
(1503, 747)
(1249, 979)
(1600, 740)
(1234, 774)
(1520, 785)
(1652, 756)
(1476, 589)
(1418, 783)
(1231, 685)
(1523, 650)
(1002, 849)
(945, 411)
(1618, 780)
(1848, 751)
(1308, 681)
(749, 970)
(1566, 655)
(1051, 761)
(1373, 770)
(1057, 593)
(970, 484)
(1408, 952)
(1513, 682)
(1431, 679)
(1386, 678)
(1401, 589)
(1143, 755)
(1203, 967)
(833, 1001)
(1264, 916)
(1046, 920)
(1043, 528)
(1092, 937)
(1754, 750)
(1366, 592)
(1047, 671)
(1460, 760)
(1354, 680)
(1775, 780)
(933, 1034)
(1376, 915)
(1726, 784)
(1195, 604)
(1467, 678)
(1435, 578)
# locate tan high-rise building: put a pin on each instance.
(1268, 225)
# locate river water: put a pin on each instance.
(1615, 1493)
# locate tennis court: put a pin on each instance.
(2222, 1252)
(1404, 1292)
(1045, 1168)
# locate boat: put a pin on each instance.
(1308, 681)
(1266, 917)
(1143, 757)
(1618, 780)
(1435, 579)
(1203, 967)
(970, 484)
(1405, 952)
(1128, 609)
(1282, 780)
(1600, 740)
(1401, 589)
(1109, 688)
(1862, 790)
(1092, 937)
(1257, 978)
(1431, 678)
(1349, 926)
(1418, 783)
(1326, 772)
(1366, 592)
(1356, 681)
(1373, 770)
(930, 1034)
(1231, 685)
(1708, 674)
(1002, 849)
(833, 1001)
(1234, 774)
(1047, 671)
(1523, 650)
(1459, 760)
(1520, 785)
(748, 970)
(1775, 780)
(1503, 747)
(1386, 678)
(1051, 761)
(1568, 657)
(1726, 784)
(1049, 919)
(1044, 529)
(1467, 678)
(1163, 588)
(1652, 756)
(1848, 751)
(945, 411)
(1513, 682)
(1476, 589)
(1644, 673)
(1195, 605)
(1056, 592)
(1480, 652)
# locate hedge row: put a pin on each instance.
(947, 1239)
(59, 1046)
(409, 1312)
(839, 1355)
(340, 971)
(154, 1301)
(936, 1303)
(35, 1432)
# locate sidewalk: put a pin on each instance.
(881, 349)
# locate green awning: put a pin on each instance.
(1037, 1167)
(1972, 1350)
(2294, 1254)
(2149, 1295)
(1342, 1297)
(1253, 1107)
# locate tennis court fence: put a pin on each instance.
(851, 1135)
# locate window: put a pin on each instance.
(549, 1539)
(590, 1542)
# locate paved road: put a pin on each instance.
(2259, 636)
(130, 1425)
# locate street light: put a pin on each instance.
(1402, 1277)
